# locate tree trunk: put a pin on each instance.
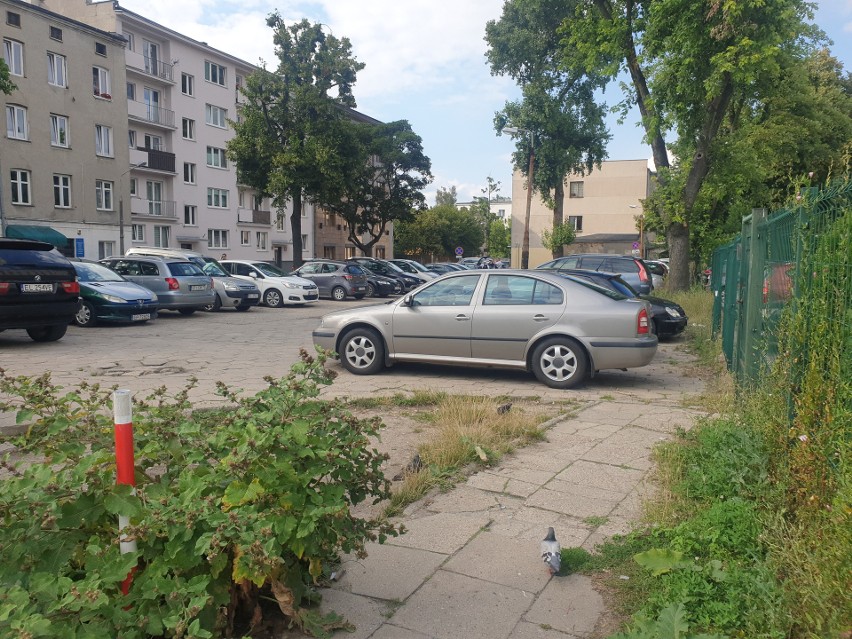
(558, 215)
(296, 226)
(678, 237)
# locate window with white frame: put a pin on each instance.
(304, 243)
(103, 195)
(380, 252)
(280, 221)
(131, 138)
(161, 236)
(190, 215)
(100, 82)
(187, 84)
(131, 91)
(245, 238)
(137, 232)
(188, 129)
(57, 70)
(217, 238)
(58, 130)
(13, 53)
(217, 198)
(106, 249)
(262, 238)
(154, 142)
(132, 186)
(216, 158)
(241, 197)
(103, 140)
(21, 187)
(131, 41)
(61, 191)
(576, 222)
(154, 193)
(16, 122)
(215, 116)
(214, 73)
(575, 189)
(189, 172)
(349, 252)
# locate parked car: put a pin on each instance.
(108, 297)
(562, 330)
(658, 270)
(669, 317)
(444, 267)
(231, 292)
(277, 288)
(38, 289)
(380, 286)
(179, 284)
(335, 279)
(389, 270)
(469, 262)
(415, 268)
(632, 269)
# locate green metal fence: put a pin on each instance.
(768, 266)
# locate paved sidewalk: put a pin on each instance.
(469, 565)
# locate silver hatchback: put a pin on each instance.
(561, 330)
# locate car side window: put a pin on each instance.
(457, 291)
(147, 268)
(508, 290)
(592, 263)
(329, 268)
(567, 262)
(546, 293)
(308, 269)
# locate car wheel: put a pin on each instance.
(243, 308)
(338, 293)
(47, 333)
(560, 362)
(371, 292)
(397, 287)
(362, 352)
(187, 311)
(85, 315)
(215, 306)
(272, 298)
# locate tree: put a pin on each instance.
(446, 196)
(6, 85)
(501, 238)
(383, 183)
(439, 231)
(286, 143)
(558, 237)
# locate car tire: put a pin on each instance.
(371, 292)
(362, 352)
(47, 333)
(272, 298)
(243, 308)
(338, 293)
(397, 287)
(560, 362)
(187, 311)
(215, 306)
(85, 316)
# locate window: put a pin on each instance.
(262, 238)
(215, 116)
(241, 195)
(576, 221)
(62, 191)
(217, 238)
(103, 140)
(100, 82)
(131, 138)
(100, 48)
(21, 187)
(214, 73)
(16, 122)
(13, 53)
(216, 158)
(457, 291)
(58, 130)
(105, 250)
(328, 252)
(151, 53)
(154, 191)
(245, 238)
(132, 186)
(304, 243)
(188, 128)
(13, 19)
(57, 70)
(131, 91)
(103, 195)
(137, 232)
(380, 252)
(189, 172)
(190, 215)
(217, 198)
(131, 41)
(161, 236)
(56, 33)
(187, 84)
(154, 142)
(575, 189)
(257, 202)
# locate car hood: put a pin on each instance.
(372, 313)
(295, 279)
(124, 290)
(660, 302)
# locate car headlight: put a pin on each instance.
(230, 286)
(672, 311)
(113, 298)
(385, 283)
(291, 285)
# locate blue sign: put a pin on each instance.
(635, 245)
(459, 251)
(79, 247)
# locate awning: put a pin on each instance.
(40, 233)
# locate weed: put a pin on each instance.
(595, 521)
(573, 560)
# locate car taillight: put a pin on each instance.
(348, 277)
(174, 285)
(643, 327)
(643, 273)
(4, 288)
(71, 287)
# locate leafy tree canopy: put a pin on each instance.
(435, 233)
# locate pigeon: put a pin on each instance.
(550, 552)
(414, 466)
(504, 408)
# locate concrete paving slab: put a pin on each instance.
(629, 447)
(526, 630)
(465, 499)
(602, 475)
(501, 484)
(362, 612)
(588, 492)
(442, 533)
(388, 572)
(503, 560)
(451, 606)
(389, 631)
(568, 504)
(569, 604)
(519, 469)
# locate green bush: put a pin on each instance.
(231, 508)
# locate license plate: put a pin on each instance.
(253, 296)
(360, 288)
(37, 288)
(140, 317)
(198, 287)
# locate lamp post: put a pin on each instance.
(525, 246)
(121, 205)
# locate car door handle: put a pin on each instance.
(462, 318)
(540, 318)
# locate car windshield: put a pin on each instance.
(184, 268)
(213, 268)
(269, 270)
(418, 266)
(615, 295)
(96, 273)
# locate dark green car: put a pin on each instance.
(108, 297)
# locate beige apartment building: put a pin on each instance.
(604, 207)
(63, 154)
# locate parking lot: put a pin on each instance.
(241, 348)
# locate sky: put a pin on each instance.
(425, 63)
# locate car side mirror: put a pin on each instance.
(253, 275)
(408, 300)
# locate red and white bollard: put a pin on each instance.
(123, 417)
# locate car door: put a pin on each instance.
(436, 325)
(513, 310)
(312, 272)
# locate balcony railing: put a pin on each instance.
(253, 216)
(154, 208)
(150, 66)
(151, 113)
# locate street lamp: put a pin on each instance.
(525, 246)
(121, 204)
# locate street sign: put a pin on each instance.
(459, 251)
(79, 247)
(635, 245)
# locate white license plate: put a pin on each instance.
(37, 288)
(140, 317)
(253, 296)
(197, 287)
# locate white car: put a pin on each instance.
(415, 268)
(277, 288)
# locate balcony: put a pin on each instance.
(161, 209)
(253, 216)
(151, 67)
(154, 159)
(151, 114)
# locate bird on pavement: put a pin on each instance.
(550, 552)
(504, 408)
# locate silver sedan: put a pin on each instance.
(561, 330)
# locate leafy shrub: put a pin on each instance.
(227, 511)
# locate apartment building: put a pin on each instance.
(603, 206)
(63, 155)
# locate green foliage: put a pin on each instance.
(500, 240)
(437, 232)
(6, 84)
(561, 235)
(573, 560)
(230, 508)
(670, 624)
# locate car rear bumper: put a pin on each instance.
(614, 352)
(174, 302)
(38, 314)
